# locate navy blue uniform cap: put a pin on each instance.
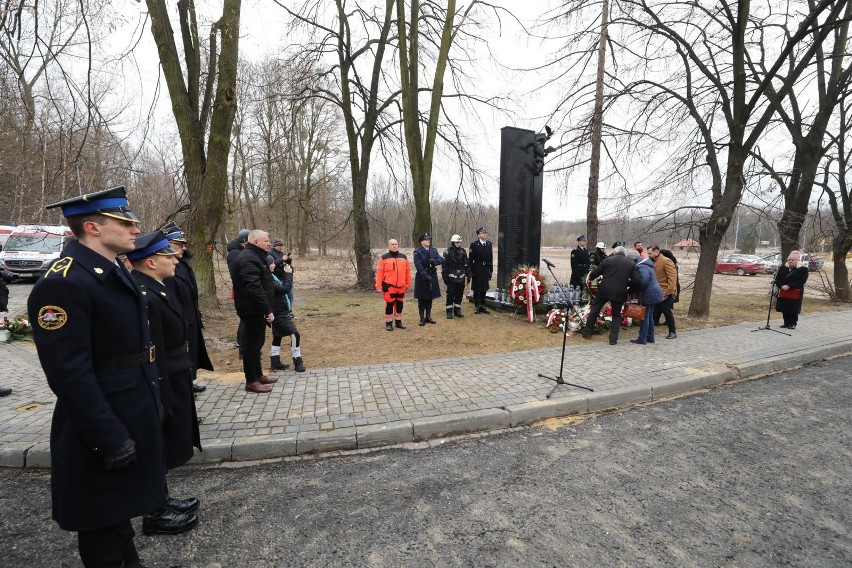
(110, 202)
(425, 237)
(581, 238)
(150, 244)
(481, 230)
(173, 232)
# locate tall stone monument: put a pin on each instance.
(521, 172)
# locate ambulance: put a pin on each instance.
(30, 249)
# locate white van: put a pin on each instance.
(30, 249)
(5, 231)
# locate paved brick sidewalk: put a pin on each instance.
(368, 406)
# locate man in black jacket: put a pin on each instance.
(254, 298)
(185, 288)
(579, 263)
(618, 272)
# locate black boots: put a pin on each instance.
(422, 318)
(429, 316)
(277, 365)
(166, 521)
(130, 557)
(399, 324)
(298, 366)
(457, 312)
(389, 325)
(449, 312)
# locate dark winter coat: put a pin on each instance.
(648, 284)
(426, 286)
(185, 287)
(597, 256)
(795, 278)
(234, 249)
(456, 266)
(618, 273)
(253, 289)
(88, 314)
(579, 261)
(481, 258)
(283, 323)
(169, 333)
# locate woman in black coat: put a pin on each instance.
(790, 280)
(426, 286)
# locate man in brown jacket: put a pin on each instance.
(666, 273)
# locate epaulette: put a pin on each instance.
(60, 266)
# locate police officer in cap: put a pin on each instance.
(579, 263)
(481, 255)
(154, 262)
(91, 332)
(185, 287)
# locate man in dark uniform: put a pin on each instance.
(185, 287)
(481, 258)
(579, 263)
(91, 331)
(154, 261)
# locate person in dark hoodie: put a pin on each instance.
(283, 325)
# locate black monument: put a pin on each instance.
(521, 172)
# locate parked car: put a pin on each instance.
(772, 262)
(740, 265)
(30, 249)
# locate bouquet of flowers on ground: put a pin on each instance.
(18, 328)
(556, 319)
(526, 289)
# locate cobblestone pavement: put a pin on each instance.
(374, 405)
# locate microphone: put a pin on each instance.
(548, 263)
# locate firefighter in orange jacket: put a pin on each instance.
(393, 278)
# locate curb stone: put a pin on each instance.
(38, 455)
(313, 442)
(14, 454)
(461, 423)
(531, 412)
(215, 451)
(389, 434)
(625, 396)
(252, 448)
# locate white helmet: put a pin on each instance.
(455, 239)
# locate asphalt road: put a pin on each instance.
(752, 474)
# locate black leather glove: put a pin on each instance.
(385, 286)
(122, 457)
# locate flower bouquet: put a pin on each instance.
(557, 317)
(526, 289)
(18, 328)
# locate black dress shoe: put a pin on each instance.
(793, 326)
(5, 391)
(198, 388)
(183, 506)
(672, 335)
(613, 341)
(484, 310)
(166, 521)
(784, 326)
(638, 342)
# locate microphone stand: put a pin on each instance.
(559, 380)
(769, 313)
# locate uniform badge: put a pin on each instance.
(52, 317)
(98, 270)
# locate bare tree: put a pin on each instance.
(707, 82)
(204, 104)
(359, 39)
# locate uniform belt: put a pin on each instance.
(178, 350)
(147, 356)
(483, 263)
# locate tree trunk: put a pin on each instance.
(592, 222)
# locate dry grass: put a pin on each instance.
(341, 326)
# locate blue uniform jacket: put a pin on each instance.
(88, 312)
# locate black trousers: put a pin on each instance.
(254, 334)
(597, 306)
(790, 318)
(578, 280)
(455, 294)
(102, 548)
(665, 309)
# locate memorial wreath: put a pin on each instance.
(526, 289)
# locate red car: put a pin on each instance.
(740, 265)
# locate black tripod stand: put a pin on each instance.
(772, 294)
(568, 306)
